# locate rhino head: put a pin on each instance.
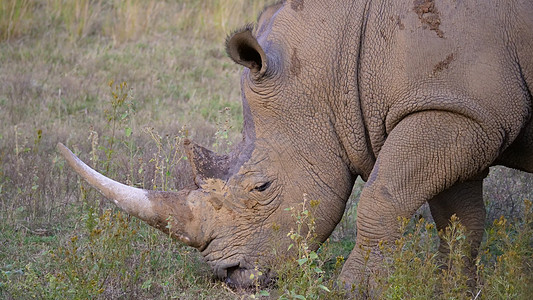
(289, 148)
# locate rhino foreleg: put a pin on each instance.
(425, 154)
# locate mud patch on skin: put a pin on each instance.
(428, 15)
(398, 22)
(295, 63)
(442, 65)
(297, 5)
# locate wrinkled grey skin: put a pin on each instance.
(418, 98)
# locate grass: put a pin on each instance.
(63, 65)
(16, 16)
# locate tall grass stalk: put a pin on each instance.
(132, 19)
(80, 17)
(215, 19)
(169, 154)
(125, 20)
(15, 18)
(117, 116)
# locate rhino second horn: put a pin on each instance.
(132, 200)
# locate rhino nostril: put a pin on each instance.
(232, 269)
(224, 271)
(231, 279)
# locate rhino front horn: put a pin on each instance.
(166, 211)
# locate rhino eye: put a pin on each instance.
(263, 187)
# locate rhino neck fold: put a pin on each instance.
(351, 124)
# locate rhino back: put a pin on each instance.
(469, 57)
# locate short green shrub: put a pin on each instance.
(411, 263)
(415, 269)
(303, 275)
(89, 263)
(506, 262)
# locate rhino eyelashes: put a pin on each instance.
(263, 187)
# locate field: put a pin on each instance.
(122, 83)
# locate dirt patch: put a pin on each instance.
(428, 15)
(399, 23)
(295, 63)
(442, 65)
(297, 5)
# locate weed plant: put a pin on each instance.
(415, 270)
(117, 116)
(506, 263)
(303, 277)
(169, 153)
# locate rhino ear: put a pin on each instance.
(206, 163)
(244, 49)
